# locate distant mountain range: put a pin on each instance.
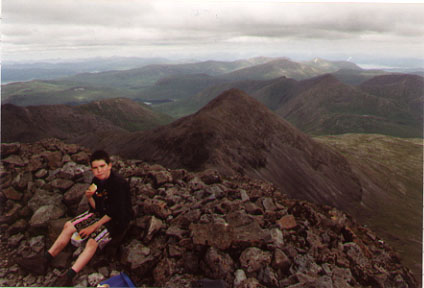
(285, 67)
(147, 82)
(316, 96)
(18, 72)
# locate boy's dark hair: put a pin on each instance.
(100, 155)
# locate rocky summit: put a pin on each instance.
(188, 226)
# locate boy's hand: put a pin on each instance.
(87, 231)
(91, 190)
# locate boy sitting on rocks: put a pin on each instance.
(109, 215)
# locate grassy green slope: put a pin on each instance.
(396, 166)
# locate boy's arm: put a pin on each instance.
(89, 194)
(90, 229)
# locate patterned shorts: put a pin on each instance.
(101, 235)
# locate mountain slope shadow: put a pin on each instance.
(236, 134)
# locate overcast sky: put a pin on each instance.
(45, 29)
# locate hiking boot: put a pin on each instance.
(36, 264)
(63, 281)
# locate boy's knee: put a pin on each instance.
(92, 244)
(68, 226)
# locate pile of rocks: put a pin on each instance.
(189, 226)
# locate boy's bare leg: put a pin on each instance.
(63, 239)
(86, 255)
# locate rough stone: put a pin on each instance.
(71, 170)
(22, 180)
(44, 214)
(276, 238)
(41, 173)
(281, 261)
(218, 265)
(62, 184)
(251, 283)
(36, 162)
(239, 277)
(54, 159)
(154, 226)
(196, 184)
(75, 193)
(210, 176)
(11, 214)
(18, 227)
(95, 278)
(62, 260)
(9, 148)
(287, 222)
(156, 207)
(252, 259)
(81, 158)
(14, 160)
(12, 194)
(268, 204)
(205, 234)
(252, 208)
(14, 240)
(43, 198)
(55, 226)
(135, 254)
(160, 177)
(164, 270)
(176, 231)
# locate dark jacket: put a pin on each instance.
(113, 198)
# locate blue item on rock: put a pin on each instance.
(121, 280)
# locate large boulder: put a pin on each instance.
(43, 215)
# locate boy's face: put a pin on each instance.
(101, 169)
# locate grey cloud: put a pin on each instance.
(66, 24)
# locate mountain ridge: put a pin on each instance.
(325, 105)
(73, 123)
(217, 136)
